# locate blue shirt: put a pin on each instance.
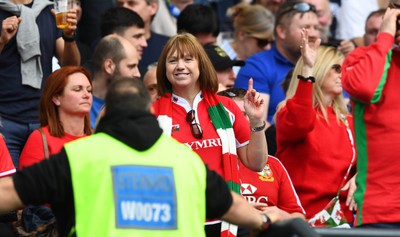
(97, 105)
(268, 69)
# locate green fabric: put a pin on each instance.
(362, 142)
(223, 126)
(218, 111)
(378, 92)
(362, 157)
(92, 159)
(234, 186)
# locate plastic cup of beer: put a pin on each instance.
(62, 8)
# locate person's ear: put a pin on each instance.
(109, 66)
(56, 100)
(241, 34)
(281, 31)
(153, 8)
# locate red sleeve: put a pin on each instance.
(296, 119)
(288, 199)
(363, 69)
(6, 164)
(33, 150)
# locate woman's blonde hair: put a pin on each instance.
(326, 58)
(256, 20)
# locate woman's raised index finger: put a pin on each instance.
(250, 84)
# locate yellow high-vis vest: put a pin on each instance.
(120, 192)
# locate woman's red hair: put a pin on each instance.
(48, 111)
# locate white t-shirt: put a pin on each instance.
(352, 16)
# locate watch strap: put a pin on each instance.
(266, 222)
(68, 38)
(258, 129)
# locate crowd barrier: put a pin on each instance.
(299, 228)
(355, 232)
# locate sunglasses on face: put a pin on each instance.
(195, 128)
(302, 7)
(261, 43)
(337, 68)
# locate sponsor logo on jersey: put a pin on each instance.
(248, 192)
(206, 143)
(248, 189)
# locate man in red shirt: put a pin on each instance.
(371, 77)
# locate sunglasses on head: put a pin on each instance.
(195, 128)
(337, 68)
(233, 93)
(302, 7)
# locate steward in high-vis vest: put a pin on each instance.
(128, 179)
(141, 190)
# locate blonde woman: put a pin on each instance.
(253, 31)
(313, 134)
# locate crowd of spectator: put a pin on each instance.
(314, 78)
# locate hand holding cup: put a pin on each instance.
(62, 7)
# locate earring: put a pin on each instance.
(58, 103)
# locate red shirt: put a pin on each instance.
(315, 153)
(6, 164)
(33, 151)
(209, 148)
(272, 186)
(371, 75)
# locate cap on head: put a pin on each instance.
(220, 59)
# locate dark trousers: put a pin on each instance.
(15, 135)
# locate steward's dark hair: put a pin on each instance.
(125, 93)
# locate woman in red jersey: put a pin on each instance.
(314, 138)
(64, 113)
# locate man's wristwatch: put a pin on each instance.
(266, 222)
(68, 38)
(258, 129)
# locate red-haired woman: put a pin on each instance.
(64, 113)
